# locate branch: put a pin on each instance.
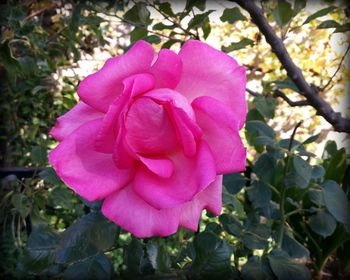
(310, 92)
(253, 93)
(336, 71)
(278, 93)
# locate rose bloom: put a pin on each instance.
(153, 134)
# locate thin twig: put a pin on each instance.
(284, 189)
(140, 26)
(278, 93)
(172, 20)
(310, 92)
(253, 93)
(336, 71)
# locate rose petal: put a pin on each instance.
(91, 174)
(132, 213)
(167, 69)
(133, 85)
(220, 131)
(100, 89)
(187, 131)
(70, 121)
(182, 116)
(210, 198)
(164, 95)
(209, 72)
(163, 167)
(123, 156)
(190, 176)
(148, 128)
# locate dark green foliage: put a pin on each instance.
(283, 13)
(232, 15)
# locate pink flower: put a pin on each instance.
(153, 134)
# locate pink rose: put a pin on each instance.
(153, 134)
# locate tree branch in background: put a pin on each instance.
(278, 93)
(253, 93)
(310, 92)
(339, 66)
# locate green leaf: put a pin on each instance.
(158, 256)
(296, 146)
(311, 139)
(94, 267)
(166, 8)
(198, 20)
(336, 201)
(138, 14)
(206, 27)
(91, 234)
(162, 26)
(343, 28)
(213, 227)
(138, 33)
(257, 128)
(94, 205)
(255, 236)
(317, 172)
(234, 182)
(286, 83)
(265, 105)
(169, 43)
(264, 140)
(63, 197)
(285, 268)
(238, 45)
(294, 248)
(11, 64)
(49, 175)
(254, 269)
(259, 194)
(303, 169)
(132, 257)
(228, 198)
(319, 13)
(153, 39)
(336, 167)
(298, 6)
(200, 4)
(264, 167)
(328, 24)
(231, 224)
(316, 197)
(22, 203)
(39, 155)
(254, 115)
(232, 15)
(329, 150)
(322, 223)
(212, 258)
(282, 13)
(41, 245)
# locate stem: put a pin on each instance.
(283, 192)
(296, 211)
(336, 71)
(172, 20)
